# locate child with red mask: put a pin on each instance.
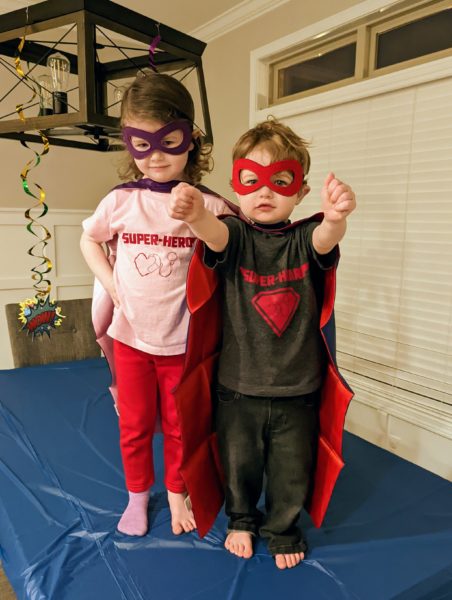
(273, 360)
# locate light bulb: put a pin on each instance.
(118, 94)
(59, 67)
(45, 95)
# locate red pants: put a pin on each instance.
(145, 382)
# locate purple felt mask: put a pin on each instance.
(154, 141)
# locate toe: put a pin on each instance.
(177, 529)
(188, 526)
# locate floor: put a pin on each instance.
(6, 591)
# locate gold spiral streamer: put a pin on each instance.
(42, 285)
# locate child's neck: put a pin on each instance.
(278, 225)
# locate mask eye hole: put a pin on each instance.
(282, 179)
(139, 144)
(173, 139)
(248, 177)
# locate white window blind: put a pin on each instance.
(394, 297)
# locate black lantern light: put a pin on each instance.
(76, 59)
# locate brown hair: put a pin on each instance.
(163, 98)
(279, 140)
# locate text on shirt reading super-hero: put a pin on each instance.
(155, 239)
(267, 280)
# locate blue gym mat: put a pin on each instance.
(387, 534)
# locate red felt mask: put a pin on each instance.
(264, 176)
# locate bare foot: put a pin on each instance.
(287, 561)
(134, 520)
(240, 543)
(182, 519)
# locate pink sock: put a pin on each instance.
(134, 520)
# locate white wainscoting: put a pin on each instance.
(70, 276)
(396, 421)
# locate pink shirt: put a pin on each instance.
(152, 258)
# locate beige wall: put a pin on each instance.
(71, 178)
(77, 179)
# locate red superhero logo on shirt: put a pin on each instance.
(277, 307)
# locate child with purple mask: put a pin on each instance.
(143, 281)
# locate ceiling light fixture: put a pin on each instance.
(79, 41)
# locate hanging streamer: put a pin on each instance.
(38, 315)
(152, 48)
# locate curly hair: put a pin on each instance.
(278, 139)
(156, 96)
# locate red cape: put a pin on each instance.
(201, 467)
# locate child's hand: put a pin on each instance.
(338, 199)
(111, 289)
(186, 203)
(115, 298)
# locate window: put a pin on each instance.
(421, 37)
(393, 309)
(407, 34)
(320, 67)
(393, 305)
(387, 132)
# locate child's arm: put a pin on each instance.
(187, 204)
(98, 263)
(338, 201)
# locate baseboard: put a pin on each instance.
(413, 427)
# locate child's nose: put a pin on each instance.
(265, 191)
(155, 153)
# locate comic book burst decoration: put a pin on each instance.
(39, 316)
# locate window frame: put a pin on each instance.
(313, 51)
(396, 22)
(364, 32)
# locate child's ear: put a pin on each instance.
(305, 189)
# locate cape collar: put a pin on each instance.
(155, 186)
(272, 226)
(280, 228)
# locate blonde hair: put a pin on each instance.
(279, 140)
(163, 98)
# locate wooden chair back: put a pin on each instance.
(73, 340)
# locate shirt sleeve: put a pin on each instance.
(323, 261)
(223, 260)
(98, 225)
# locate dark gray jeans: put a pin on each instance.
(272, 436)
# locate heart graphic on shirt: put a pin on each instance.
(147, 264)
(166, 270)
(277, 307)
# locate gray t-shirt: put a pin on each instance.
(271, 339)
